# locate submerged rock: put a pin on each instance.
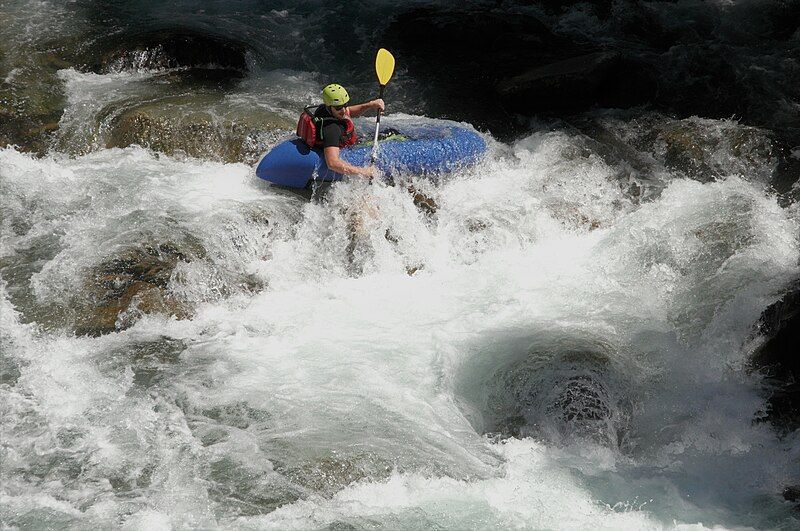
(131, 284)
(150, 361)
(244, 488)
(560, 397)
(9, 369)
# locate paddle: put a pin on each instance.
(384, 67)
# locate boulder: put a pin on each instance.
(694, 148)
(200, 126)
(129, 285)
(515, 60)
(454, 49)
(197, 53)
(600, 78)
(776, 358)
(699, 149)
(702, 79)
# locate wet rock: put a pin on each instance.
(244, 489)
(567, 57)
(238, 415)
(700, 149)
(701, 80)
(792, 493)
(330, 472)
(576, 83)
(198, 126)
(643, 25)
(518, 61)
(200, 54)
(776, 358)
(151, 361)
(132, 284)
(601, 9)
(506, 41)
(426, 204)
(481, 46)
(786, 179)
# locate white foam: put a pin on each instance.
(533, 491)
(367, 384)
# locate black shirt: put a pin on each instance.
(332, 130)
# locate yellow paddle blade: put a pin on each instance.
(384, 66)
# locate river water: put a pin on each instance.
(563, 343)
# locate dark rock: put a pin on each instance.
(601, 9)
(516, 61)
(478, 48)
(787, 174)
(777, 359)
(641, 25)
(702, 80)
(792, 493)
(771, 20)
(643, 144)
(577, 75)
(170, 49)
(536, 61)
(601, 78)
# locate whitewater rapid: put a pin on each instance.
(545, 350)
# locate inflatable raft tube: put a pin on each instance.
(426, 149)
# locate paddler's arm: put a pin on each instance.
(361, 108)
(336, 164)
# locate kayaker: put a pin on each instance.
(333, 127)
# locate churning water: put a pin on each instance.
(560, 343)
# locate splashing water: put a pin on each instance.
(542, 351)
(559, 341)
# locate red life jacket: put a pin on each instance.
(309, 128)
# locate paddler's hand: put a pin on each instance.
(378, 104)
(369, 172)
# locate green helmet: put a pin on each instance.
(334, 95)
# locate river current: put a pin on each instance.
(561, 343)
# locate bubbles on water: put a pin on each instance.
(344, 356)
